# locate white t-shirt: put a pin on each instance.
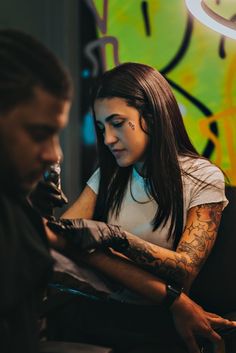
(136, 217)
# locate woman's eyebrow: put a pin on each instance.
(110, 117)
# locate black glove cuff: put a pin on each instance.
(172, 293)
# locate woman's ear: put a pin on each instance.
(146, 123)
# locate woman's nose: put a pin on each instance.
(109, 136)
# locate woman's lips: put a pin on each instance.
(118, 153)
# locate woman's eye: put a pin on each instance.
(118, 123)
(101, 128)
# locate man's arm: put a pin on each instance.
(84, 206)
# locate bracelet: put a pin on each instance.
(172, 293)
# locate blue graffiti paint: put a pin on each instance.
(86, 73)
(88, 131)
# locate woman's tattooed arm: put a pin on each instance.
(180, 266)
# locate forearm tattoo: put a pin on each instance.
(191, 253)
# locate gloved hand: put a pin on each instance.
(48, 194)
(88, 234)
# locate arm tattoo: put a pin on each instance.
(149, 257)
(191, 253)
(201, 234)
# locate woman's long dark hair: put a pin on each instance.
(145, 89)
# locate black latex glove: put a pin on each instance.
(88, 234)
(48, 194)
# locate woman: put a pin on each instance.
(151, 182)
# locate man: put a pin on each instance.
(35, 95)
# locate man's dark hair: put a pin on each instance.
(25, 63)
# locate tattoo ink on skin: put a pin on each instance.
(131, 125)
(190, 254)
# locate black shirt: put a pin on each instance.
(25, 266)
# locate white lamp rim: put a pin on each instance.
(209, 18)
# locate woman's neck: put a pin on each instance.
(140, 169)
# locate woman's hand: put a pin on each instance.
(191, 321)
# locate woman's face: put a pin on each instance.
(122, 132)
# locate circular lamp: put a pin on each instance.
(202, 12)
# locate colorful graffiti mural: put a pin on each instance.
(199, 64)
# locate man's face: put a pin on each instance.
(29, 139)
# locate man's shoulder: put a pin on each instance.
(19, 219)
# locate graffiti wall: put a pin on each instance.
(199, 64)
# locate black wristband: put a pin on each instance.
(172, 293)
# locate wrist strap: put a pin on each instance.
(172, 293)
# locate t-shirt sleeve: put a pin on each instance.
(93, 181)
(207, 185)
